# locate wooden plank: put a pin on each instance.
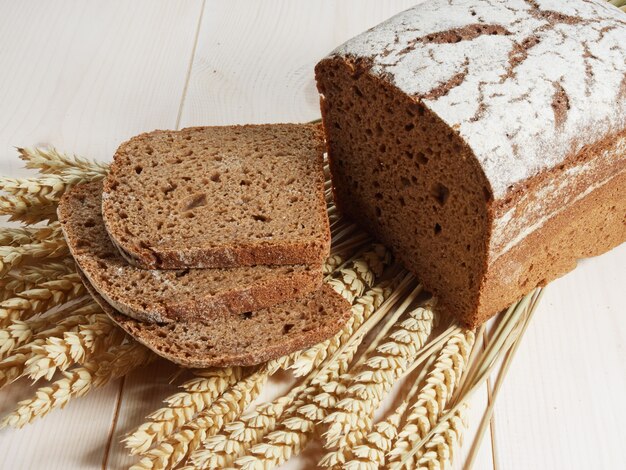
(84, 76)
(143, 393)
(562, 406)
(254, 60)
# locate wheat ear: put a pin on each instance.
(27, 277)
(176, 448)
(351, 284)
(199, 393)
(78, 380)
(440, 450)
(52, 325)
(94, 335)
(433, 398)
(14, 256)
(50, 161)
(372, 452)
(10, 236)
(41, 298)
(368, 384)
(331, 263)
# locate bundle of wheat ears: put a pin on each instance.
(51, 330)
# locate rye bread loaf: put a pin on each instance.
(485, 142)
(219, 197)
(167, 296)
(246, 339)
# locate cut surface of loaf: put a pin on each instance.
(484, 142)
(239, 340)
(170, 295)
(219, 197)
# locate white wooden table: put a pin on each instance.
(85, 75)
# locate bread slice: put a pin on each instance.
(229, 196)
(246, 339)
(166, 296)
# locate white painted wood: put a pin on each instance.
(84, 76)
(562, 405)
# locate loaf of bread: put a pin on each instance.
(484, 141)
(246, 339)
(217, 197)
(167, 295)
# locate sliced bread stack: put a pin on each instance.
(207, 244)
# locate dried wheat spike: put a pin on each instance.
(439, 450)
(12, 367)
(79, 380)
(331, 263)
(14, 256)
(10, 236)
(353, 415)
(199, 393)
(27, 277)
(41, 298)
(50, 161)
(221, 450)
(432, 400)
(45, 189)
(94, 335)
(177, 447)
(361, 311)
(27, 210)
(48, 326)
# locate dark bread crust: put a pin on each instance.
(589, 227)
(168, 296)
(239, 340)
(249, 195)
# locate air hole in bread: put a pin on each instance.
(421, 158)
(260, 218)
(246, 315)
(197, 200)
(215, 177)
(90, 223)
(437, 229)
(138, 170)
(287, 327)
(441, 193)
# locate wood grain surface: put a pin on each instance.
(85, 75)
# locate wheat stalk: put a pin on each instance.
(209, 422)
(199, 393)
(367, 385)
(14, 256)
(78, 380)
(52, 325)
(439, 450)
(50, 161)
(41, 298)
(10, 236)
(93, 335)
(331, 263)
(433, 398)
(372, 452)
(27, 277)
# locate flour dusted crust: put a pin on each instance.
(533, 92)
